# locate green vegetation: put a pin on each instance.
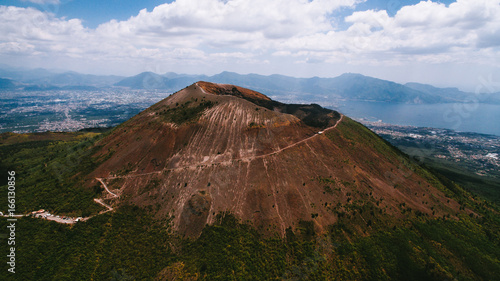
(359, 137)
(186, 112)
(423, 250)
(129, 243)
(330, 185)
(473, 173)
(125, 242)
(49, 174)
(253, 125)
(486, 187)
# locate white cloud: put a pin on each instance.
(427, 31)
(238, 23)
(246, 32)
(16, 48)
(184, 29)
(42, 31)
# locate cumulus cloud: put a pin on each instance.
(16, 48)
(237, 23)
(181, 29)
(427, 31)
(259, 31)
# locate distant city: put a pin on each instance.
(477, 153)
(66, 111)
(72, 110)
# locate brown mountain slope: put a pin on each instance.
(213, 148)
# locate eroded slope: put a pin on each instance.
(213, 148)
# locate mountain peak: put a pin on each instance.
(351, 74)
(213, 148)
(227, 89)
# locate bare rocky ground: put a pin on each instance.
(245, 155)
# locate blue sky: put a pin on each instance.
(445, 43)
(95, 12)
(92, 12)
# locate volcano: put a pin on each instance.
(211, 149)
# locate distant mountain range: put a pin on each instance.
(45, 79)
(451, 94)
(7, 84)
(348, 86)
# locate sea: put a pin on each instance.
(461, 117)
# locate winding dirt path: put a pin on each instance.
(99, 201)
(106, 187)
(202, 90)
(297, 143)
(249, 158)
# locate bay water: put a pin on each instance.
(462, 117)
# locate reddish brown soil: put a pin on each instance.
(232, 158)
(225, 89)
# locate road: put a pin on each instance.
(106, 187)
(64, 219)
(72, 220)
(99, 201)
(236, 159)
(299, 142)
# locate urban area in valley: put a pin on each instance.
(476, 152)
(68, 110)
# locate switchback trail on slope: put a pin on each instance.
(106, 187)
(114, 195)
(249, 158)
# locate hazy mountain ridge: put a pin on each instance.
(7, 83)
(452, 94)
(149, 80)
(50, 79)
(77, 79)
(348, 86)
